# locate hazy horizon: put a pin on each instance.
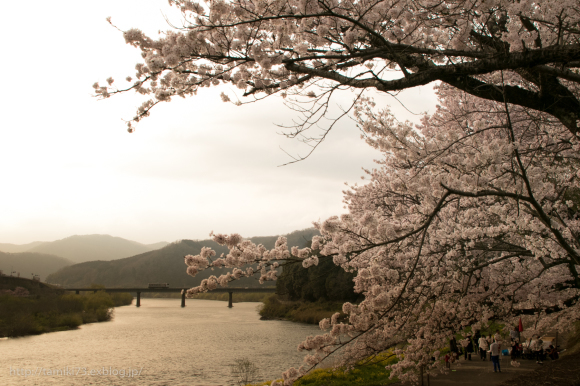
(195, 166)
(144, 243)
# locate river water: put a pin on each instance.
(159, 343)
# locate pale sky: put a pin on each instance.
(68, 165)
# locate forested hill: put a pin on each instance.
(28, 263)
(164, 265)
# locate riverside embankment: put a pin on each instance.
(29, 307)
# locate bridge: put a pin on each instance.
(230, 290)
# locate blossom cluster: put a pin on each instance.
(469, 217)
(17, 292)
(272, 46)
(245, 258)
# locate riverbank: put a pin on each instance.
(28, 307)
(299, 311)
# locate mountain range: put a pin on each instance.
(165, 265)
(15, 248)
(80, 261)
(27, 264)
(43, 258)
(83, 248)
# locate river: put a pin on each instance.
(159, 343)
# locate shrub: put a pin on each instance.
(70, 320)
(244, 371)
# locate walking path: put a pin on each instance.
(562, 372)
(477, 372)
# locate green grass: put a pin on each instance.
(368, 375)
(374, 372)
(370, 372)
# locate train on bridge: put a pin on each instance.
(158, 285)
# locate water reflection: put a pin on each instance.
(168, 344)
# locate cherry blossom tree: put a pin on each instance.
(470, 216)
(314, 49)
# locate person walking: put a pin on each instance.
(538, 349)
(476, 337)
(515, 349)
(495, 351)
(454, 348)
(483, 347)
(447, 361)
(468, 348)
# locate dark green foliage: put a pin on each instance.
(53, 312)
(325, 281)
(309, 295)
(33, 286)
(121, 298)
(298, 311)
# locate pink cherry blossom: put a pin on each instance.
(468, 217)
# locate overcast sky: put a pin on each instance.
(68, 165)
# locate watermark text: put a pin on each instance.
(74, 371)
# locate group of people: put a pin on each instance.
(485, 345)
(539, 354)
(492, 344)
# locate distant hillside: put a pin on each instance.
(28, 263)
(299, 238)
(94, 247)
(155, 246)
(165, 265)
(33, 286)
(15, 248)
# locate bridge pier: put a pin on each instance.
(138, 291)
